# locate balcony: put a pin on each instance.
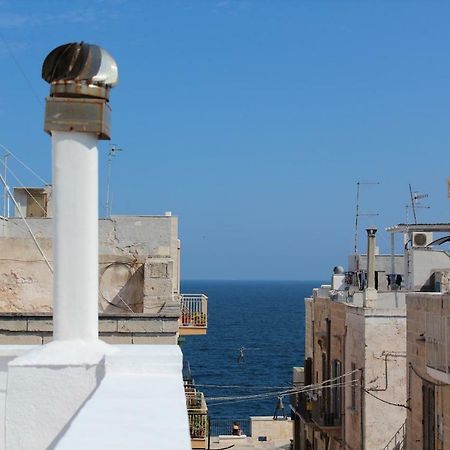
(301, 405)
(437, 342)
(194, 314)
(198, 418)
(325, 419)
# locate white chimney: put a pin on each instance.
(370, 293)
(77, 115)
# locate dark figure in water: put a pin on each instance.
(241, 357)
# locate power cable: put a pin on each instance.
(385, 401)
(26, 224)
(309, 388)
(230, 386)
(19, 67)
(24, 165)
(23, 186)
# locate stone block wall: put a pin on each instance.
(113, 329)
(418, 305)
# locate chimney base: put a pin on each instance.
(370, 298)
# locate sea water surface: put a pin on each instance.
(264, 317)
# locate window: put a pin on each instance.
(428, 416)
(336, 390)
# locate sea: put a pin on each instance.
(266, 319)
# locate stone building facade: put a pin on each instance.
(367, 344)
(139, 277)
(428, 421)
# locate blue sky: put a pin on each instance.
(252, 120)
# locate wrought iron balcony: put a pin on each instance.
(194, 314)
(437, 341)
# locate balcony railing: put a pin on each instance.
(397, 441)
(301, 405)
(198, 418)
(323, 417)
(437, 337)
(194, 314)
(195, 401)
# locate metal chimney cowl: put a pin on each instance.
(80, 77)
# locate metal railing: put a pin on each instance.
(198, 425)
(194, 310)
(437, 342)
(301, 405)
(397, 441)
(195, 401)
(224, 427)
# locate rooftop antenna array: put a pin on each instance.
(358, 214)
(415, 203)
(111, 154)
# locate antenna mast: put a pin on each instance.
(358, 214)
(111, 153)
(415, 203)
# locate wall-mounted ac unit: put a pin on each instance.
(421, 239)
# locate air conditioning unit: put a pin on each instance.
(421, 239)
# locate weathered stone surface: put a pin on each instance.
(13, 324)
(106, 325)
(40, 325)
(165, 339)
(20, 339)
(151, 325)
(123, 338)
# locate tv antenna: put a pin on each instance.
(112, 152)
(358, 213)
(415, 203)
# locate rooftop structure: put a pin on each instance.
(77, 391)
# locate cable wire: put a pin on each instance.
(23, 164)
(26, 224)
(23, 186)
(22, 72)
(309, 388)
(385, 401)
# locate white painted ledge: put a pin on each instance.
(140, 404)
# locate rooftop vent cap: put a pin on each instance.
(73, 68)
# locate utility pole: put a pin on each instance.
(111, 153)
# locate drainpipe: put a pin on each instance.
(370, 293)
(77, 115)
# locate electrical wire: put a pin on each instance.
(309, 388)
(230, 386)
(23, 186)
(313, 387)
(23, 164)
(385, 401)
(270, 395)
(19, 67)
(26, 224)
